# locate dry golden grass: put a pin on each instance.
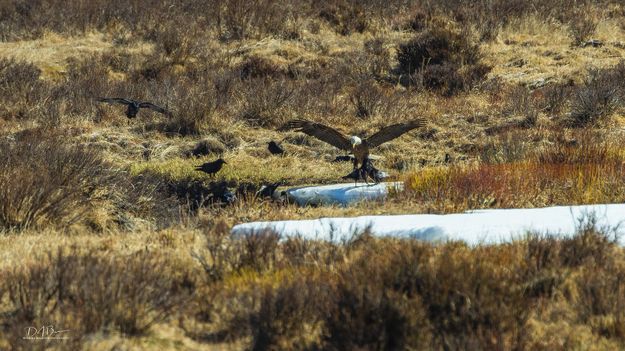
(51, 52)
(501, 141)
(532, 52)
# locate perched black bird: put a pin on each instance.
(134, 106)
(267, 190)
(274, 148)
(366, 170)
(211, 167)
(357, 174)
(369, 171)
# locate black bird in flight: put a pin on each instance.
(357, 146)
(211, 167)
(274, 148)
(134, 106)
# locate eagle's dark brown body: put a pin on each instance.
(361, 154)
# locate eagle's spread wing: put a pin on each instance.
(154, 107)
(113, 100)
(319, 131)
(393, 131)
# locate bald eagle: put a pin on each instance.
(359, 147)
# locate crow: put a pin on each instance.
(366, 170)
(211, 167)
(267, 190)
(274, 148)
(228, 197)
(134, 106)
(356, 175)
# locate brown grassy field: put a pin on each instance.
(107, 231)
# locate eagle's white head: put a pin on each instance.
(355, 141)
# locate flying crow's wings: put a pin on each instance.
(319, 131)
(154, 107)
(393, 131)
(118, 100)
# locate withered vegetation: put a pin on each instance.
(106, 229)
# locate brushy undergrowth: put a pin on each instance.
(85, 293)
(46, 182)
(366, 293)
(590, 171)
(442, 58)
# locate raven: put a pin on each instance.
(274, 148)
(134, 106)
(267, 190)
(220, 193)
(343, 158)
(357, 174)
(211, 167)
(228, 197)
(367, 170)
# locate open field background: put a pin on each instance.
(108, 231)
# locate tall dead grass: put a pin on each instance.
(589, 172)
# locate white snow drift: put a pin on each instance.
(474, 227)
(340, 194)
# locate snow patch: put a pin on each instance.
(473, 227)
(340, 194)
